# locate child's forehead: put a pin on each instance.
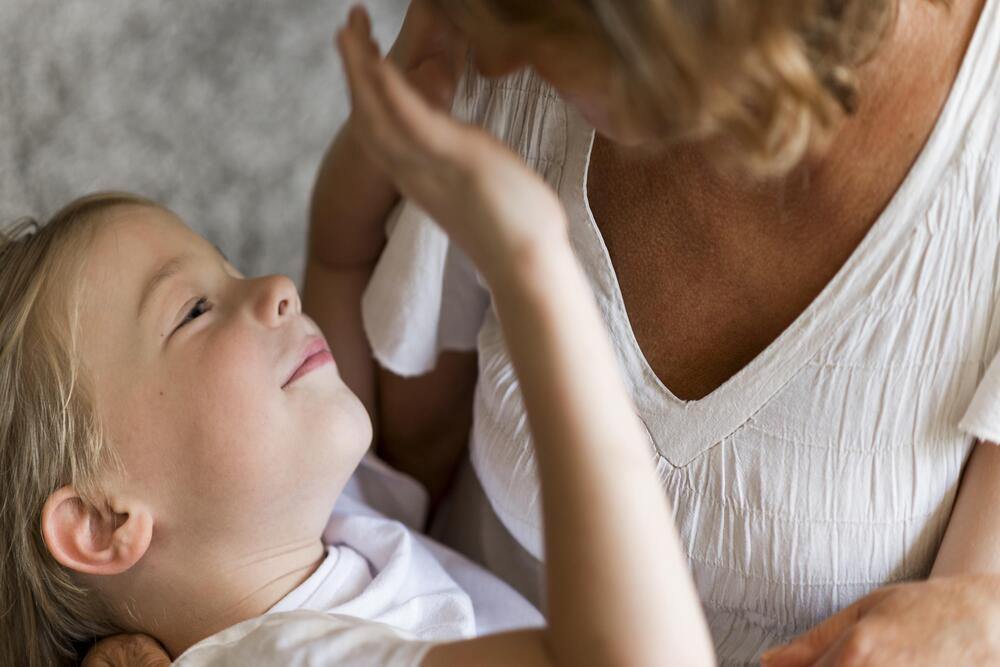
(132, 237)
(129, 247)
(143, 223)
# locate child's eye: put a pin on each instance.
(201, 307)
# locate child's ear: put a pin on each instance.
(94, 541)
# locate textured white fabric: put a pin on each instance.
(382, 595)
(377, 490)
(449, 309)
(825, 468)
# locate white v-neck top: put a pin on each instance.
(825, 468)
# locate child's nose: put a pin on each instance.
(277, 300)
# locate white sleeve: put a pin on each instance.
(982, 418)
(306, 639)
(424, 296)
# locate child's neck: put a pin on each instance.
(202, 596)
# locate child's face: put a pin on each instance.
(191, 366)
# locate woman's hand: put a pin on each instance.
(127, 651)
(484, 196)
(943, 621)
(430, 51)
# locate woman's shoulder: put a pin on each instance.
(518, 93)
(520, 109)
(974, 104)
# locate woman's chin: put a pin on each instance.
(623, 133)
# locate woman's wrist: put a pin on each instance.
(361, 163)
(351, 199)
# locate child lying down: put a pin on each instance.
(174, 437)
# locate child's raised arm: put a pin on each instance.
(618, 588)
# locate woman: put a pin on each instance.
(797, 270)
(794, 272)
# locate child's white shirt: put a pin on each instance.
(384, 594)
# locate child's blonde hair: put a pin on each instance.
(772, 76)
(50, 435)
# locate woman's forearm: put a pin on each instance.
(971, 542)
(351, 200)
(420, 424)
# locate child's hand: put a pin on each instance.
(482, 194)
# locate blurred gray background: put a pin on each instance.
(220, 109)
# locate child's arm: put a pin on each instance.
(972, 541)
(421, 424)
(618, 588)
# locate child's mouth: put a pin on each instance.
(315, 355)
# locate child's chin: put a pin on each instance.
(343, 444)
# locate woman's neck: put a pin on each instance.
(902, 91)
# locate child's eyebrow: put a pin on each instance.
(170, 268)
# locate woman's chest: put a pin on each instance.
(704, 291)
(894, 340)
(700, 312)
(818, 476)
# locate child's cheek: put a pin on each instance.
(239, 396)
(239, 358)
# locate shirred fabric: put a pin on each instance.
(825, 468)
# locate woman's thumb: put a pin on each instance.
(810, 646)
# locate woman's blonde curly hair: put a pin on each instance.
(769, 76)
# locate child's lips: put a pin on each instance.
(315, 355)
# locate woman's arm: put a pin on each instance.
(618, 588)
(351, 200)
(421, 424)
(972, 541)
(900, 624)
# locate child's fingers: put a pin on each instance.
(356, 47)
(407, 109)
(364, 68)
(387, 82)
(358, 62)
(359, 21)
(395, 120)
